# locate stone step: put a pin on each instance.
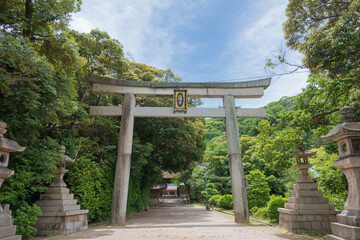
(57, 190)
(15, 237)
(63, 228)
(5, 220)
(7, 231)
(47, 203)
(68, 213)
(60, 208)
(345, 231)
(349, 217)
(310, 206)
(333, 237)
(306, 193)
(289, 215)
(48, 220)
(308, 200)
(306, 186)
(56, 196)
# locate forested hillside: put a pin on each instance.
(267, 147)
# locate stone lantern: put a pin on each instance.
(61, 213)
(302, 163)
(60, 172)
(306, 210)
(7, 230)
(347, 137)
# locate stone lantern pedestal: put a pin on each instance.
(347, 136)
(307, 210)
(7, 229)
(60, 213)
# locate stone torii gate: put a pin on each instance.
(133, 89)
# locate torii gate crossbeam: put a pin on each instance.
(133, 89)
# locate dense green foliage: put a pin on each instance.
(327, 32)
(214, 200)
(260, 213)
(210, 191)
(25, 219)
(257, 190)
(267, 154)
(225, 201)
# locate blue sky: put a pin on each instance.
(201, 41)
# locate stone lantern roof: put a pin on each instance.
(303, 154)
(345, 129)
(8, 145)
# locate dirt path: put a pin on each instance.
(176, 220)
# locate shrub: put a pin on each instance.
(25, 219)
(214, 200)
(91, 186)
(226, 202)
(273, 205)
(210, 191)
(333, 183)
(261, 213)
(258, 189)
(253, 210)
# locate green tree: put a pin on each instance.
(327, 33)
(277, 145)
(25, 220)
(210, 191)
(36, 20)
(225, 201)
(330, 180)
(257, 190)
(101, 55)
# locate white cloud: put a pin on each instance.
(252, 45)
(133, 23)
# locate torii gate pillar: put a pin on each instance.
(241, 211)
(123, 162)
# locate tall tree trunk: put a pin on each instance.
(29, 10)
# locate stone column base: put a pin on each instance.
(7, 230)
(347, 227)
(298, 221)
(344, 232)
(62, 223)
(307, 210)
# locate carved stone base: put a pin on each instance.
(347, 227)
(7, 230)
(61, 214)
(307, 211)
(344, 232)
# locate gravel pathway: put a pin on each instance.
(175, 220)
